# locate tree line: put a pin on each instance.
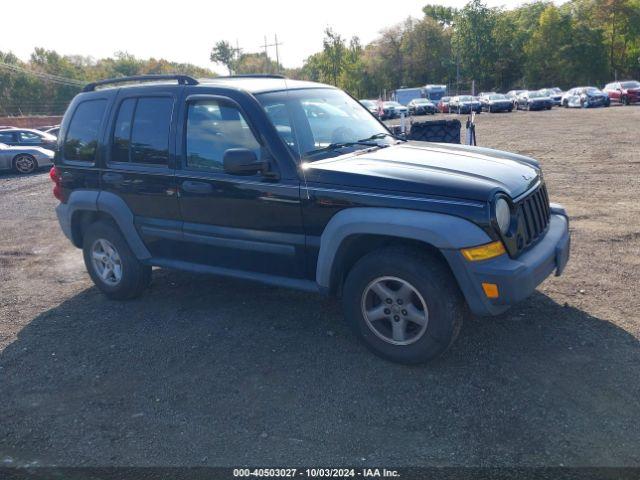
(581, 42)
(47, 81)
(540, 44)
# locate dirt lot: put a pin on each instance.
(206, 371)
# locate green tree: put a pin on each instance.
(223, 53)
(475, 44)
(548, 62)
(443, 15)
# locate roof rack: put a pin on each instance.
(182, 80)
(253, 75)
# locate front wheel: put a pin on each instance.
(404, 304)
(24, 163)
(111, 264)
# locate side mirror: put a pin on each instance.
(241, 161)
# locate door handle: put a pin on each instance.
(197, 187)
(113, 178)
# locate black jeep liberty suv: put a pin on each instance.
(296, 184)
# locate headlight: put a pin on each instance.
(503, 215)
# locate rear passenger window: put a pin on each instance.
(141, 132)
(122, 132)
(213, 127)
(82, 137)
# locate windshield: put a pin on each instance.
(466, 98)
(392, 104)
(591, 90)
(536, 94)
(311, 119)
(368, 103)
(497, 97)
(421, 101)
(633, 84)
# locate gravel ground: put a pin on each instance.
(206, 371)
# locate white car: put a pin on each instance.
(24, 159)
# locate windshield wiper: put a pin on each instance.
(382, 135)
(336, 146)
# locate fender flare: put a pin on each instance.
(111, 204)
(445, 232)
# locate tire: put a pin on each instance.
(104, 236)
(430, 284)
(25, 163)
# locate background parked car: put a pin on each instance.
(443, 104)
(393, 109)
(496, 102)
(371, 105)
(24, 159)
(421, 106)
(53, 131)
(465, 104)
(24, 137)
(513, 96)
(486, 94)
(626, 92)
(554, 93)
(534, 100)
(586, 97)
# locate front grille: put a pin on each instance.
(535, 215)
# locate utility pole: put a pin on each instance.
(266, 56)
(266, 53)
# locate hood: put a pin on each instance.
(445, 170)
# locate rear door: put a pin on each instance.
(140, 163)
(250, 223)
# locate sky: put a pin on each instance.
(185, 31)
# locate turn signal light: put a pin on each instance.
(483, 252)
(490, 290)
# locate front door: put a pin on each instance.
(250, 223)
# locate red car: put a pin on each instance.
(443, 105)
(626, 92)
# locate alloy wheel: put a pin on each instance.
(394, 310)
(106, 262)
(25, 164)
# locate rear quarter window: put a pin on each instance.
(81, 141)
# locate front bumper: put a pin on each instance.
(500, 107)
(516, 278)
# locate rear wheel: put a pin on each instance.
(404, 304)
(25, 163)
(111, 264)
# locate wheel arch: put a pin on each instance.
(354, 232)
(88, 206)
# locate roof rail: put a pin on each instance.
(253, 75)
(182, 80)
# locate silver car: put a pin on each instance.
(24, 159)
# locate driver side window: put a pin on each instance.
(213, 127)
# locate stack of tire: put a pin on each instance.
(442, 131)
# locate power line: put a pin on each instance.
(43, 76)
